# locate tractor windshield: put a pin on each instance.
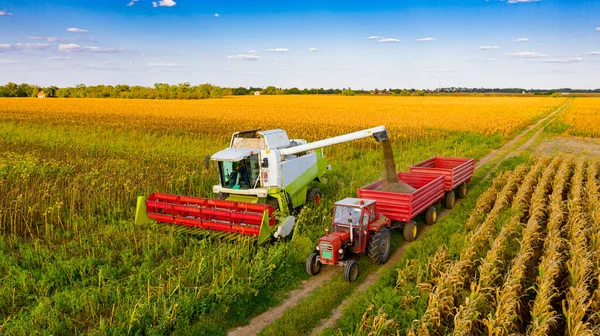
(242, 174)
(346, 215)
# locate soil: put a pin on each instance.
(587, 147)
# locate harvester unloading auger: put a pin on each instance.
(263, 176)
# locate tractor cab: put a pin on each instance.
(352, 216)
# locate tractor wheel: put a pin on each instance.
(313, 264)
(450, 198)
(462, 190)
(380, 246)
(430, 215)
(351, 271)
(410, 231)
(314, 196)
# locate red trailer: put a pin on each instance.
(457, 172)
(402, 208)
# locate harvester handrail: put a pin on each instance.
(379, 132)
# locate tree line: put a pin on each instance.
(204, 91)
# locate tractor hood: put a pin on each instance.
(234, 154)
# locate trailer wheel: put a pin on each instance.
(410, 231)
(462, 190)
(450, 198)
(313, 264)
(351, 271)
(431, 215)
(380, 246)
(314, 196)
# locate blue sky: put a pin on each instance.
(362, 44)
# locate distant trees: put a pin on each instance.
(347, 92)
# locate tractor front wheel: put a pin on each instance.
(380, 246)
(462, 190)
(351, 271)
(430, 216)
(313, 264)
(410, 231)
(450, 198)
(314, 196)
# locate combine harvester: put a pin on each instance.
(263, 177)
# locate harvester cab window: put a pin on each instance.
(240, 174)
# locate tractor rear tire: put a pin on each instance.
(313, 264)
(410, 231)
(430, 215)
(450, 199)
(380, 246)
(351, 271)
(462, 190)
(314, 195)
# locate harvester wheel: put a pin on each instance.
(462, 190)
(380, 246)
(431, 216)
(410, 231)
(314, 196)
(450, 198)
(351, 271)
(222, 196)
(313, 264)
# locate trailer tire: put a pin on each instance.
(380, 246)
(314, 195)
(430, 215)
(450, 199)
(410, 231)
(313, 264)
(462, 190)
(351, 271)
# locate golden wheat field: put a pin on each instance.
(311, 116)
(583, 117)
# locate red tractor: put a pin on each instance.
(357, 228)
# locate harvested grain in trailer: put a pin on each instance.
(389, 172)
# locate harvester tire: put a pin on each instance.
(410, 231)
(222, 196)
(450, 198)
(380, 246)
(314, 196)
(430, 215)
(351, 271)
(313, 264)
(462, 190)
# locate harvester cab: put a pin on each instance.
(263, 177)
(356, 228)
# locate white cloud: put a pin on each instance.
(244, 57)
(438, 70)
(598, 29)
(488, 47)
(23, 46)
(594, 53)
(374, 37)
(521, 1)
(59, 58)
(132, 2)
(50, 38)
(425, 39)
(389, 40)
(278, 49)
(164, 3)
(8, 62)
(164, 65)
(217, 15)
(522, 39)
(313, 49)
(564, 60)
(5, 13)
(77, 30)
(251, 51)
(72, 47)
(526, 54)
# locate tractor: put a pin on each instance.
(357, 229)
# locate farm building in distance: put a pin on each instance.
(41, 94)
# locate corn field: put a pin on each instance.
(530, 263)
